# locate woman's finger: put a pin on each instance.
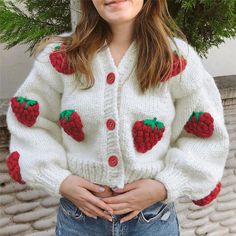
(89, 201)
(90, 185)
(121, 208)
(87, 196)
(122, 211)
(129, 216)
(96, 210)
(87, 213)
(126, 188)
(99, 203)
(117, 199)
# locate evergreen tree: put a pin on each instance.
(206, 23)
(28, 21)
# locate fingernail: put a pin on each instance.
(101, 189)
(108, 212)
(110, 219)
(115, 189)
(95, 217)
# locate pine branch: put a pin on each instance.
(205, 23)
(19, 27)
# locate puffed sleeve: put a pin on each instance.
(37, 156)
(199, 145)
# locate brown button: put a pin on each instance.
(113, 161)
(111, 78)
(111, 124)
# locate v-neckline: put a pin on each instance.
(126, 64)
(122, 60)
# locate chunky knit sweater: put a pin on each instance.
(112, 134)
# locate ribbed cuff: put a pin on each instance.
(174, 182)
(50, 179)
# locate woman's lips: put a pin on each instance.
(115, 3)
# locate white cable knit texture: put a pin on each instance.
(186, 164)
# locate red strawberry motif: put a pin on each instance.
(147, 133)
(201, 124)
(176, 69)
(209, 198)
(71, 123)
(25, 110)
(13, 167)
(60, 61)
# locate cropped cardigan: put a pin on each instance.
(112, 134)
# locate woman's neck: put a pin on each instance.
(122, 34)
(122, 38)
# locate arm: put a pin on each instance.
(32, 119)
(199, 147)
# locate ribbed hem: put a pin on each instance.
(50, 179)
(100, 173)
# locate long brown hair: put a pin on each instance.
(153, 27)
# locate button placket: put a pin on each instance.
(111, 78)
(111, 124)
(113, 161)
(113, 153)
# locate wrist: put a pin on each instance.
(161, 193)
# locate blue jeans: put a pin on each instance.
(158, 219)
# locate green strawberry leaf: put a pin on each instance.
(57, 47)
(67, 114)
(154, 123)
(20, 99)
(150, 122)
(159, 125)
(28, 101)
(196, 114)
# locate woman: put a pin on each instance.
(119, 119)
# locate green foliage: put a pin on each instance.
(38, 19)
(205, 23)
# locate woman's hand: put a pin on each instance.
(78, 191)
(135, 197)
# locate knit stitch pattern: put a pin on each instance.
(13, 167)
(103, 146)
(72, 125)
(147, 133)
(26, 110)
(60, 61)
(200, 124)
(178, 66)
(209, 198)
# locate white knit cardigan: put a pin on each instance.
(186, 163)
